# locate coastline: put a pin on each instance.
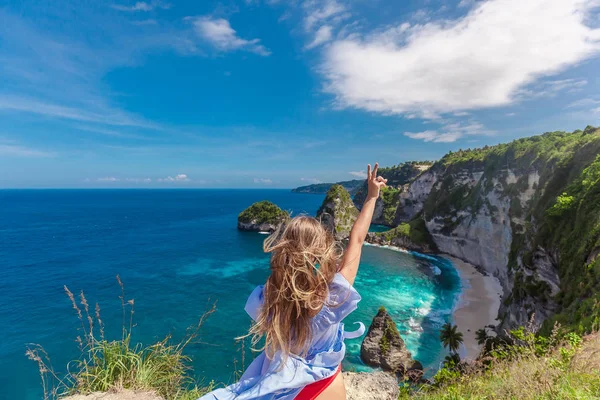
(478, 305)
(479, 301)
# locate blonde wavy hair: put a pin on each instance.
(304, 260)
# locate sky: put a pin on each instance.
(280, 93)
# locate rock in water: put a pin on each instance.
(338, 212)
(370, 386)
(262, 216)
(383, 347)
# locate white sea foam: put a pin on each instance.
(414, 325)
(388, 247)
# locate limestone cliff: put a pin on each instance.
(383, 346)
(499, 207)
(337, 212)
(387, 203)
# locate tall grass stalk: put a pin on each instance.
(108, 365)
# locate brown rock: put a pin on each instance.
(383, 347)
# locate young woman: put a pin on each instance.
(299, 311)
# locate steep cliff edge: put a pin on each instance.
(527, 212)
(387, 203)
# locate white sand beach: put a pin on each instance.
(478, 305)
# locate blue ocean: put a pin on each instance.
(177, 252)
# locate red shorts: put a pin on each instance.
(312, 391)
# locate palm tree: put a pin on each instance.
(482, 336)
(453, 359)
(451, 337)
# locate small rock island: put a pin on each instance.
(262, 216)
(384, 348)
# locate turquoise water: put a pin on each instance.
(176, 251)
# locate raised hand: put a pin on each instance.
(374, 182)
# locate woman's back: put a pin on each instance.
(298, 313)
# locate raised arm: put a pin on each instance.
(360, 228)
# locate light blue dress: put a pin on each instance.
(266, 379)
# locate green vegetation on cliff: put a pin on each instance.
(552, 183)
(396, 175)
(322, 188)
(390, 197)
(531, 368)
(263, 212)
(414, 231)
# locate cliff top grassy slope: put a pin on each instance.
(263, 212)
(528, 371)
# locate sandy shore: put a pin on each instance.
(478, 305)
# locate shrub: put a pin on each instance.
(106, 365)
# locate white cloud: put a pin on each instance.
(138, 180)
(551, 88)
(584, 103)
(265, 181)
(311, 180)
(108, 179)
(481, 60)
(450, 132)
(7, 149)
(322, 35)
(434, 136)
(176, 178)
(28, 105)
(319, 11)
(142, 6)
(219, 33)
(358, 174)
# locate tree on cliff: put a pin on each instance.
(482, 336)
(451, 337)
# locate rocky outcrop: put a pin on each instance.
(262, 216)
(119, 395)
(370, 386)
(413, 195)
(338, 213)
(384, 348)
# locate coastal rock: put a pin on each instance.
(120, 395)
(383, 347)
(411, 235)
(370, 386)
(338, 213)
(262, 216)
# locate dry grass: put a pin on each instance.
(114, 365)
(566, 371)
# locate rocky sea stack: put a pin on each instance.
(338, 212)
(383, 347)
(262, 216)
